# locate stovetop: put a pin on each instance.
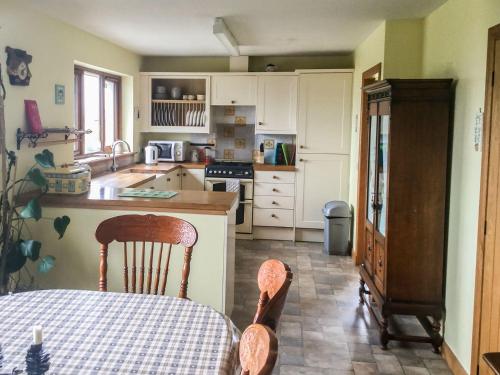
(230, 169)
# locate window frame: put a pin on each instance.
(79, 109)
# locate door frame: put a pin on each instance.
(368, 77)
(493, 37)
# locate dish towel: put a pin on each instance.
(233, 185)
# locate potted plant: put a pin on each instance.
(16, 249)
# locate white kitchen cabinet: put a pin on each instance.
(277, 104)
(193, 179)
(173, 180)
(163, 114)
(229, 89)
(324, 113)
(320, 178)
(158, 183)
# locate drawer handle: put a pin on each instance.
(274, 202)
(301, 146)
(183, 175)
(261, 123)
(275, 190)
(178, 174)
(168, 179)
(273, 215)
(276, 177)
(233, 101)
(301, 160)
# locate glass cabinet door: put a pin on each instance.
(372, 157)
(383, 149)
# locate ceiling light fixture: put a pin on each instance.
(222, 32)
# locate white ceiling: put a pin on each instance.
(261, 27)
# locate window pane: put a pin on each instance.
(109, 112)
(91, 112)
(76, 112)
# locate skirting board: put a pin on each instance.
(273, 233)
(308, 235)
(452, 361)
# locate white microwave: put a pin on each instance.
(171, 150)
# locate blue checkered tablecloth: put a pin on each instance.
(89, 332)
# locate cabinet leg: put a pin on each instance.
(384, 333)
(361, 291)
(437, 339)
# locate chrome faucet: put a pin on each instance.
(114, 166)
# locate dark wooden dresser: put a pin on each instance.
(403, 241)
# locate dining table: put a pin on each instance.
(90, 332)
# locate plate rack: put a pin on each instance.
(184, 113)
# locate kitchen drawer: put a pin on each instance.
(268, 217)
(264, 188)
(277, 177)
(264, 201)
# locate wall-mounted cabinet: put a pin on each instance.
(324, 115)
(277, 104)
(161, 111)
(229, 89)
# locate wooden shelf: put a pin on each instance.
(173, 101)
(34, 138)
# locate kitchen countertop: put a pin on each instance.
(106, 198)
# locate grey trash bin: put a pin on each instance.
(337, 216)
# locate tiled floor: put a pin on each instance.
(323, 328)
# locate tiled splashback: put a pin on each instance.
(234, 135)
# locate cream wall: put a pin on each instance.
(366, 55)
(55, 46)
(455, 45)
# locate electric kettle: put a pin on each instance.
(151, 155)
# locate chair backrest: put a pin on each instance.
(274, 280)
(258, 350)
(143, 232)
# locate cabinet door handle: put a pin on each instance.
(380, 262)
(275, 190)
(261, 123)
(301, 160)
(276, 177)
(274, 202)
(233, 101)
(301, 146)
(168, 179)
(369, 248)
(273, 215)
(183, 175)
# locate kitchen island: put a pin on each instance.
(211, 280)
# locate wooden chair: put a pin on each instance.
(258, 350)
(274, 280)
(143, 230)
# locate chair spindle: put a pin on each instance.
(125, 267)
(165, 271)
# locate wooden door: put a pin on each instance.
(234, 90)
(486, 337)
(324, 115)
(320, 178)
(277, 105)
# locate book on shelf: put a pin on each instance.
(33, 117)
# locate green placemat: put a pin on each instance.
(147, 193)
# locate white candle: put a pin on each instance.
(37, 335)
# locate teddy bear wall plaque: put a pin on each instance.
(17, 66)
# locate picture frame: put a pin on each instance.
(59, 94)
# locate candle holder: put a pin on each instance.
(37, 360)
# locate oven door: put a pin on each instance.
(165, 150)
(246, 226)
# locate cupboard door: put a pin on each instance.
(173, 180)
(320, 178)
(382, 170)
(324, 114)
(369, 252)
(193, 179)
(379, 260)
(234, 90)
(277, 105)
(145, 101)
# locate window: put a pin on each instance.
(97, 107)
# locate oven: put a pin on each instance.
(244, 218)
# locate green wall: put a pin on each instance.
(255, 63)
(455, 45)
